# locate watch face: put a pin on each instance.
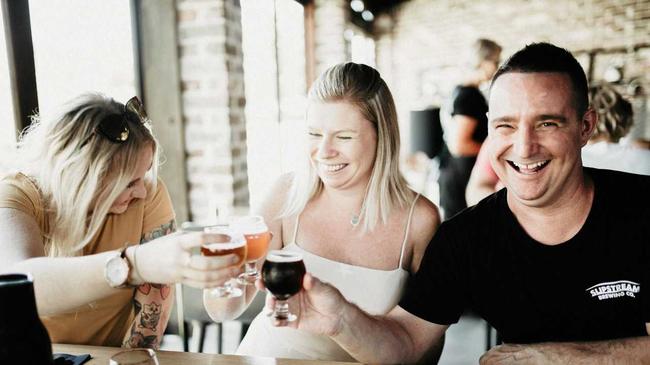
(117, 271)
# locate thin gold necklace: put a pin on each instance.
(356, 218)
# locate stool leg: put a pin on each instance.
(219, 337)
(186, 337)
(202, 335)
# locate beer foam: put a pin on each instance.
(224, 245)
(252, 224)
(226, 238)
(283, 256)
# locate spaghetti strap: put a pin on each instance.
(295, 229)
(406, 231)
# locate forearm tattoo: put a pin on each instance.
(147, 327)
(163, 230)
(148, 320)
(146, 289)
(148, 324)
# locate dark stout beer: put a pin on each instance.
(282, 273)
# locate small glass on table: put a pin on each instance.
(227, 242)
(134, 357)
(258, 238)
(282, 274)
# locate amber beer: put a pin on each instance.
(282, 273)
(225, 247)
(258, 238)
(226, 242)
(256, 233)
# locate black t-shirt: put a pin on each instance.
(592, 287)
(469, 101)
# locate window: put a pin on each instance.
(8, 137)
(82, 46)
(274, 79)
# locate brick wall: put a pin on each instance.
(330, 21)
(210, 44)
(420, 45)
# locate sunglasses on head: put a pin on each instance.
(115, 127)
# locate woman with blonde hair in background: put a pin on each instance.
(348, 211)
(615, 118)
(84, 195)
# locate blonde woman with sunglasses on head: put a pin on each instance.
(75, 214)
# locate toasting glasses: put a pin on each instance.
(227, 242)
(282, 274)
(257, 243)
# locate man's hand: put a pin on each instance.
(515, 354)
(318, 306)
(632, 350)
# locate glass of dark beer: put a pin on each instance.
(227, 242)
(282, 274)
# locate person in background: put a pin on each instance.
(76, 213)
(467, 129)
(614, 122)
(557, 262)
(348, 210)
(483, 181)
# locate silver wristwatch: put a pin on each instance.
(117, 269)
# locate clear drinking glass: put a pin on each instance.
(134, 357)
(282, 274)
(258, 238)
(227, 242)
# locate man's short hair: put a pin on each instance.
(545, 57)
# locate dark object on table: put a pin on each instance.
(67, 359)
(23, 338)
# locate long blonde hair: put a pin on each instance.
(363, 87)
(79, 172)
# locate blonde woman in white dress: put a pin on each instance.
(349, 211)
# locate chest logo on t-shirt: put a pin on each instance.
(614, 289)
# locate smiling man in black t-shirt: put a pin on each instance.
(558, 261)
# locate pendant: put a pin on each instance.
(355, 220)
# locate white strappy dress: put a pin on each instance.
(374, 291)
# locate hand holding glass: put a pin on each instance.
(227, 242)
(258, 238)
(282, 274)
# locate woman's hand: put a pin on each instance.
(169, 259)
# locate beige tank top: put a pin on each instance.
(374, 291)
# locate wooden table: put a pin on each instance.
(101, 355)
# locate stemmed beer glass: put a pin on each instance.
(257, 242)
(228, 241)
(282, 274)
